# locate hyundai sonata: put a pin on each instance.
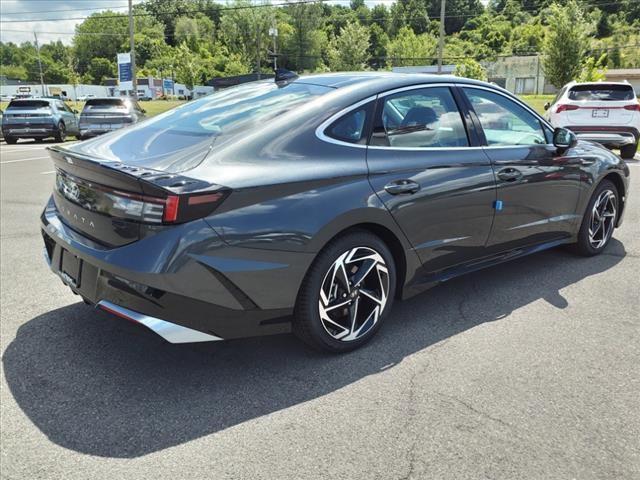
(310, 204)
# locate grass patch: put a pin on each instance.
(537, 101)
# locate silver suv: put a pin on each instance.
(38, 118)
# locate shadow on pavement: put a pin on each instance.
(105, 387)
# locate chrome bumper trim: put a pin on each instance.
(616, 138)
(171, 332)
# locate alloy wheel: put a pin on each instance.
(603, 217)
(353, 294)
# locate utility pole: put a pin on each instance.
(134, 80)
(273, 31)
(258, 49)
(441, 39)
(39, 65)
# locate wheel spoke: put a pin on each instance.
(367, 293)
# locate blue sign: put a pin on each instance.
(167, 84)
(125, 72)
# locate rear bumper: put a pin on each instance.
(185, 284)
(607, 135)
(19, 131)
(89, 131)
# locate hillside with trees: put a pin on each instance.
(195, 40)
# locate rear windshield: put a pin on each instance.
(102, 103)
(179, 139)
(29, 105)
(607, 93)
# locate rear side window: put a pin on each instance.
(427, 117)
(29, 105)
(604, 92)
(350, 127)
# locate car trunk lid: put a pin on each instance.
(115, 204)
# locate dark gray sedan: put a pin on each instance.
(102, 115)
(310, 204)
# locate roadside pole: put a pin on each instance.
(441, 39)
(39, 66)
(134, 80)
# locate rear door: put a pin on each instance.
(431, 174)
(538, 187)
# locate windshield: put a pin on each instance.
(29, 105)
(105, 103)
(179, 139)
(604, 92)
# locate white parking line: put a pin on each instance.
(24, 160)
(47, 173)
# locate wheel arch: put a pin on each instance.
(405, 265)
(615, 178)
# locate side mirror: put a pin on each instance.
(547, 105)
(563, 138)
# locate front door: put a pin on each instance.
(538, 187)
(438, 186)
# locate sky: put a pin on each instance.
(30, 14)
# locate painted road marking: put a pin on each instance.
(25, 160)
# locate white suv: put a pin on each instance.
(603, 112)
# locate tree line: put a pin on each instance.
(196, 40)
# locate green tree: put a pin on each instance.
(245, 31)
(305, 45)
(565, 43)
(99, 69)
(349, 50)
(17, 72)
(469, 68)
(593, 70)
(407, 48)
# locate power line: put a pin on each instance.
(266, 5)
(107, 7)
(177, 12)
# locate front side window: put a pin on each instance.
(503, 121)
(426, 118)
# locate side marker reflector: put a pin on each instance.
(497, 205)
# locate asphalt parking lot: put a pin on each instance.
(529, 370)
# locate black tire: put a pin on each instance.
(61, 135)
(11, 140)
(38, 140)
(307, 324)
(629, 151)
(584, 245)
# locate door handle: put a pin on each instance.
(399, 187)
(509, 174)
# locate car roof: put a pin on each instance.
(574, 84)
(31, 99)
(387, 79)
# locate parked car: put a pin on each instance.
(105, 114)
(603, 112)
(84, 98)
(312, 203)
(38, 118)
(1, 134)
